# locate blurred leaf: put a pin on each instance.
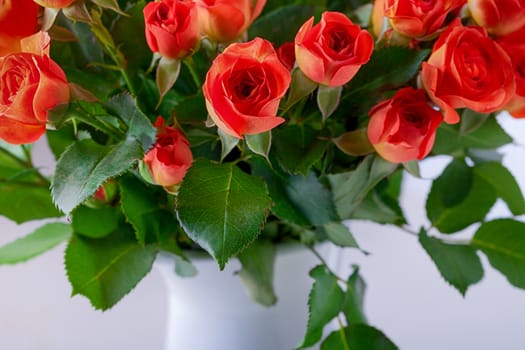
(358, 337)
(505, 185)
(471, 121)
(354, 143)
(105, 270)
(257, 271)
(313, 200)
(380, 208)
(215, 211)
(472, 209)
(458, 264)
(184, 268)
(324, 303)
(340, 235)
(95, 223)
(351, 188)
(454, 183)
(41, 240)
(503, 241)
(354, 299)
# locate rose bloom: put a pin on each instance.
(171, 27)
(18, 19)
(58, 4)
(286, 54)
(226, 20)
(499, 17)
(244, 86)
(31, 84)
(420, 18)
(170, 158)
(468, 69)
(332, 51)
(403, 128)
(514, 46)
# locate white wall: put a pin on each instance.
(406, 297)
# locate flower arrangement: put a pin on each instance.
(235, 126)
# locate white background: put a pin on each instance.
(406, 296)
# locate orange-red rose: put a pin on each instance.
(286, 54)
(244, 86)
(499, 17)
(58, 4)
(419, 18)
(514, 45)
(171, 27)
(18, 19)
(226, 20)
(332, 51)
(170, 158)
(468, 69)
(403, 128)
(30, 85)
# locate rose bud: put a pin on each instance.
(468, 69)
(171, 27)
(514, 46)
(169, 159)
(244, 86)
(332, 51)
(403, 128)
(226, 20)
(57, 4)
(31, 84)
(104, 195)
(498, 17)
(18, 19)
(286, 54)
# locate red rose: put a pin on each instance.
(244, 86)
(286, 54)
(403, 128)
(18, 19)
(499, 17)
(419, 18)
(226, 20)
(170, 158)
(468, 69)
(332, 51)
(171, 27)
(58, 4)
(30, 85)
(514, 46)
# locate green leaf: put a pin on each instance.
(297, 148)
(354, 143)
(222, 208)
(184, 268)
(313, 200)
(260, 143)
(358, 337)
(282, 24)
(168, 71)
(257, 271)
(300, 87)
(505, 185)
(328, 99)
(472, 209)
(503, 241)
(26, 201)
(471, 121)
(105, 270)
(140, 205)
(380, 208)
(36, 243)
(340, 235)
(354, 299)
(85, 165)
(228, 143)
(454, 184)
(109, 4)
(350, 189)
(324, 303)
(458, 264)
(95, 223)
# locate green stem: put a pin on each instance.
(323, 261)
(190, 64)
(28, 164)
(343, 334)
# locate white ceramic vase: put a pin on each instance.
(212, 311)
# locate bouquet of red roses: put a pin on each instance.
(235, 126)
